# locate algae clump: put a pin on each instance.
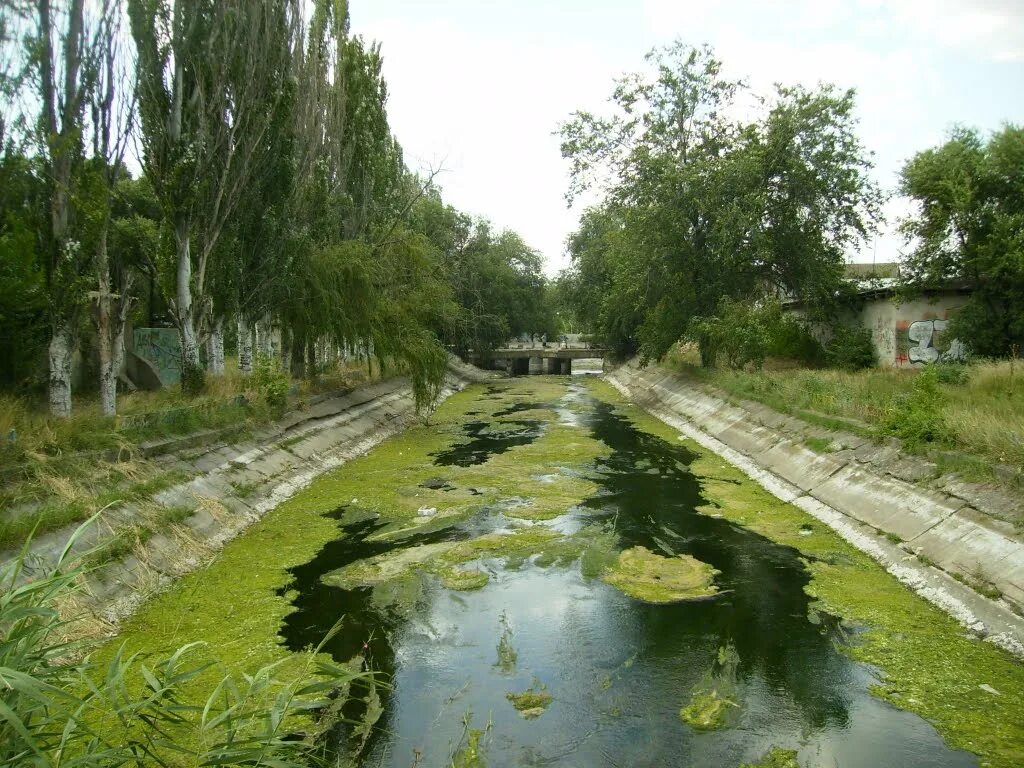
(464, 580)
(507, 655)
(714, 695)
(776, 757)
(530, 703)
(653, 578)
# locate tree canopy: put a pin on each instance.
(969, 229)
(698, 204)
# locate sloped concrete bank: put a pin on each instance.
(922, 536)
(229, 487)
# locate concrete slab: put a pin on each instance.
(885, 503)
(912, 469)
(967, 543)
(799, 465)
(749, 439)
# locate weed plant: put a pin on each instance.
(59, 708)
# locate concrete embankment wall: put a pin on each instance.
(231, 486)
(932, 535)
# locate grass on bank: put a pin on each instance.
(55, 472)
(975, 409)
(63, 705)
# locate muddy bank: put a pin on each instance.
(229, 486)
(932, 541)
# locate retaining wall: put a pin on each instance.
(933, 535)
(231, 486)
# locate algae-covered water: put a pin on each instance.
(478, 566)
(547, 575)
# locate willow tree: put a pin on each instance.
(206, 75)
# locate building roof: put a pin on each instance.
(885, 269)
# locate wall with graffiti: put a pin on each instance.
(914, 332)
(161, 347)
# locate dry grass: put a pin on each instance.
(54, 472)
(984, 415)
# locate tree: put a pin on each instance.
(207, 72)
(112, 112)
(60, 42)
(969, 229)
(698, 207)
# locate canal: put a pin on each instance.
(545, 575)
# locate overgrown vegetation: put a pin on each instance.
(968, 228)
(702, 214)
(62, 705)
(981, 415)
(58, 471)
(274, 214)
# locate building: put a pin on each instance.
(905, 332)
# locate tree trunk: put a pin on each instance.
(191, 367)
(298, 365)
(108, 374)
(263, 336)
(286, 349)
(311, 357)
(215, 347)
(245, 334)
(61, 346)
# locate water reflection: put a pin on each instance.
(619, 670)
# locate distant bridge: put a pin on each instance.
(519, 360)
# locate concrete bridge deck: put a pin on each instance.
(526, 358)
(547, 353)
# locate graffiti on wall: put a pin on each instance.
(162, 349)
(926, 341)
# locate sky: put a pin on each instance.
(479, 87)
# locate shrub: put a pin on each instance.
(952, 373)
(850, 349)
(738, 330)
(791, 340)
(747, 332)
(270, 381)
(918, 417)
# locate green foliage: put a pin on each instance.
(746, 333)
(23, 302)
(850, 348)
(496, 280)
(699, 208)
(919, 417)
(951, 373)
(969, 229)
(270, 382)
(62, 708)
(737, 331)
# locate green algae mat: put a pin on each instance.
(547, 574)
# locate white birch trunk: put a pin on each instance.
(245, 334)
(215, 347)
(60, 371)
(191, 366)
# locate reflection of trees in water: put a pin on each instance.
(766, 618)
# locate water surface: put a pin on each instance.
(618, 669)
